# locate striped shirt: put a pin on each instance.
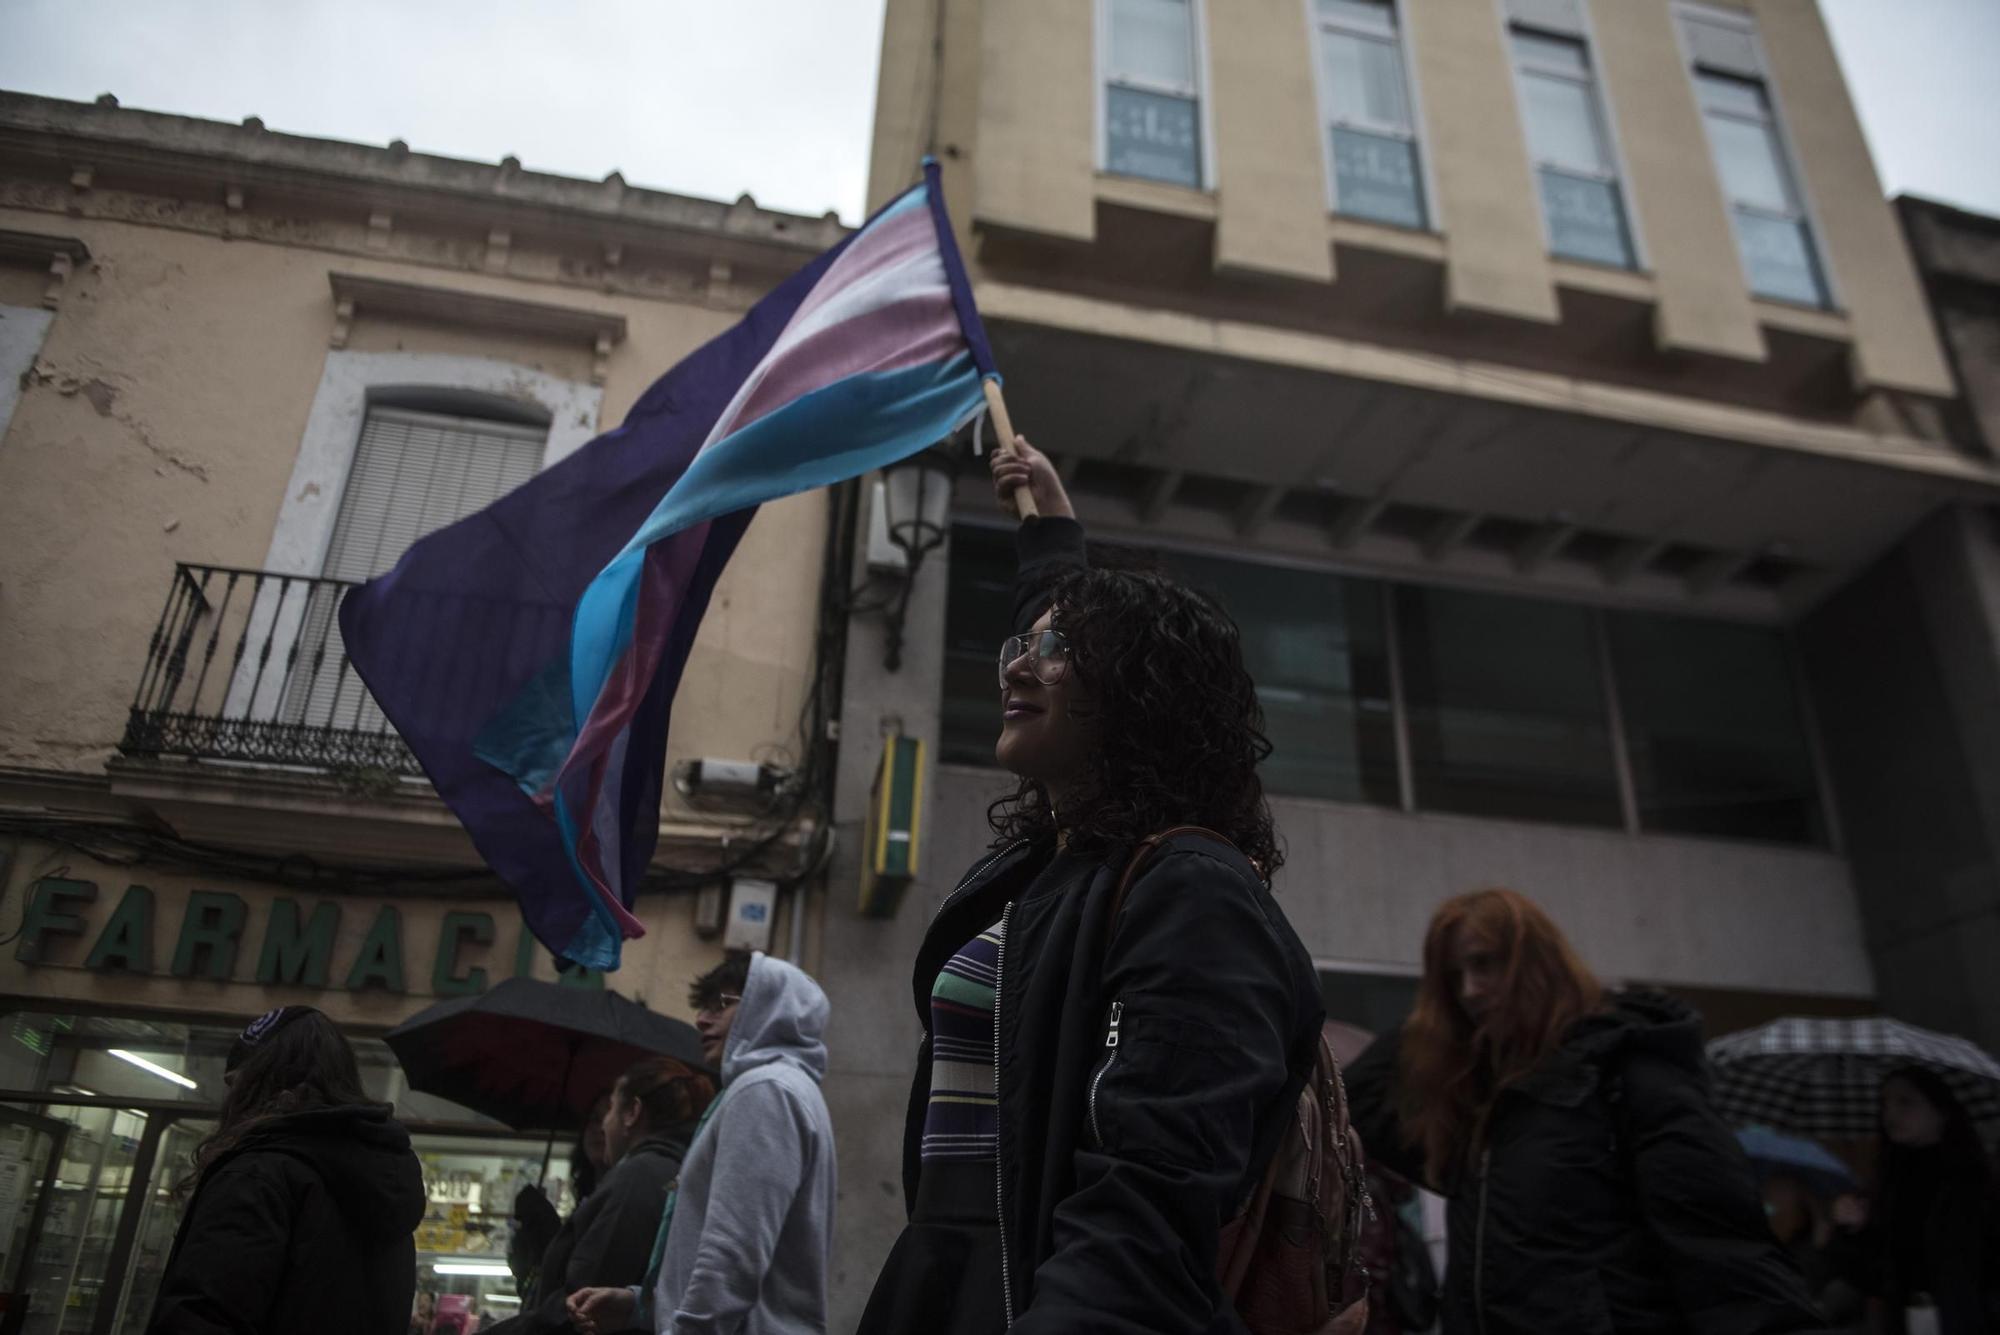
(962, 1121)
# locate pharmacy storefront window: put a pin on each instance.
(100, 1117)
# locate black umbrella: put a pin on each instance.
(536, 1055)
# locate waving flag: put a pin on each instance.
(530, 652)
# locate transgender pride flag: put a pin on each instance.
(529, 653)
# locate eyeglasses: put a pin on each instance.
(722, 1002)
(1047, 650)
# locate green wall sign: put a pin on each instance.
(294, 949)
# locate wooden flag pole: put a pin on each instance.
(1024, 496)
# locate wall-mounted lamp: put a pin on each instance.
(916, 504)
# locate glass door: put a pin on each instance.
(30, 1149)
(66, 1277)
(162, 1204)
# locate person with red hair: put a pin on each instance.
(1591, 1186)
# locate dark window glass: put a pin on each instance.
(1315, 646)
(1713, 729)
(1506, 708)
(979, 606)
(1377, 1002)
(1314, 643)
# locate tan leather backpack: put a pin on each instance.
(1290, 1259)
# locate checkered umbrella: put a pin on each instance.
(1822, 1077)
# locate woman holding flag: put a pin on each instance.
(1095, 1097)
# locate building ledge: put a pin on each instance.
(1833, 326)
(95, 147)
(355, 294)
(324, 817)
(1342, 230)
(1627, 284)
(1155, 197)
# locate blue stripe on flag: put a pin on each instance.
(790, 450)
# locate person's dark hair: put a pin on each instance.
(1178, 729)
(731, 976)
(1958, 1149)
(1911, 1181)
(668, 1094)
(301, 1063)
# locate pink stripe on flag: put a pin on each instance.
(907, 247)
(915, 332)
(906, 235)
(665, 575)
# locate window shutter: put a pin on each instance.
(413, 473)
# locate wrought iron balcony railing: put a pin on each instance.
(248, 666)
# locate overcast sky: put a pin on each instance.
(776, 97)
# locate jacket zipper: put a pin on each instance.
(1111, 1055)
(973, 875)
(999, 1177)
(1479, 1243)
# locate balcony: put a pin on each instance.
(246, 668)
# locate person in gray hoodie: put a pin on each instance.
(743, 1244)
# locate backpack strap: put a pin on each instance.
(1147, 847)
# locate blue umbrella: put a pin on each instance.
(1774, 1152)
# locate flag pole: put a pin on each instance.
(1024, 496)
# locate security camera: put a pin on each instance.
(711, 780)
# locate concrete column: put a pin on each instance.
(1271, 184)
(1895, 346)
(1671, 185)
(1037, 118)
(1904, 665)
(865, 963)
(1496, 258)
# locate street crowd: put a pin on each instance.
(1126, 1118)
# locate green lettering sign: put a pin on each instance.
(210, 929)
(299, 958)
(381, 957)
(51, 911)
(127, 939)
(460, 927)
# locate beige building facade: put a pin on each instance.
(1532, 379)
(243, 371)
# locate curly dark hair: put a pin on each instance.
(1179, 730)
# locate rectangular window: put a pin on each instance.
(1317, 646)
(1152, 91)
(413, 473)
(1505, 705)
(1714, 731)
(1506, 708)
(1779, 256)
(1365, 101)
(1571, 148)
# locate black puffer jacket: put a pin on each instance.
(1611, 1200)
(303, 1228)
(609, 1240)
(1119, 1165)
